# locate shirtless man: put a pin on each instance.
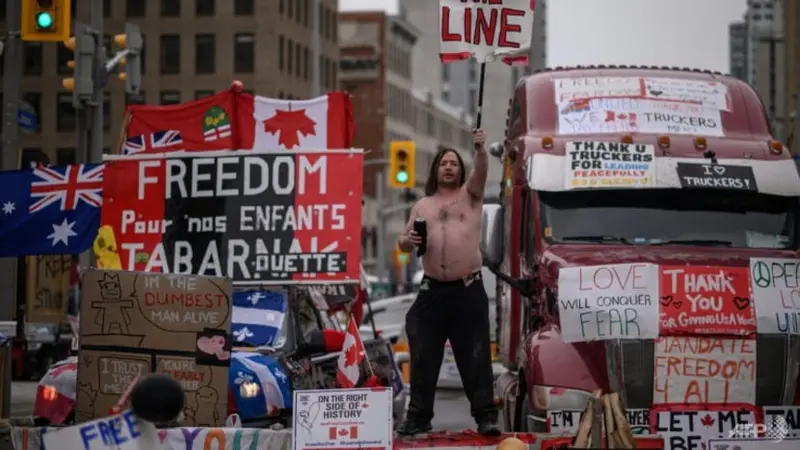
(452, 303)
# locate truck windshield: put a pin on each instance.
(664, 217)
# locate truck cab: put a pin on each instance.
(610, 167)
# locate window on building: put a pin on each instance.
(65, 113)
(307, 15)
(66, 156)
(32, 157)
(169, 97)
(202, 94)
(170, 54)
(106, 9)
(301, 11)
(244, 53)
(204, 8)
(281, 55)
(170, 8)
(445, 72)
(473, 71)
(472, 101)
(32, 58)
(306, 64)
(205, 51)
(244, 7)
(135, 8)
(282, 7)
(136, 99)
(298, 60)
(35, 100)
(289, 55)
(290, 8)
(106, 111)
(446, 96)
(63, 57)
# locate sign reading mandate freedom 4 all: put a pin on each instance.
(254, 217)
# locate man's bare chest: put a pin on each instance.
(457, 213)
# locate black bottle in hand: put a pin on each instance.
(421, 228)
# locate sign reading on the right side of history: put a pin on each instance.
(776, 293)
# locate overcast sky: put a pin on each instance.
(690, 33)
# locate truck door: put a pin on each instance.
(509, 312)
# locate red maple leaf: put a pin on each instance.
(707, 420)
(351, 356)
(290, 123)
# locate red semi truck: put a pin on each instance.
(675, 169)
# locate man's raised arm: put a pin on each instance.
(476, 183)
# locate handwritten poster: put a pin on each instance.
(706, 300)
(776, 294)
(567, 89)
(709, 94)
(342, 418)
(135, 323)
(686, 427)
(618, 301)
(597, 164)
(701, 370)
(118, 432)
(636, 115)
(48, 287)
(753, 444)
(484, 29)
(565, 422)
(783, 420)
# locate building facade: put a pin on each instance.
(761, 18)
(377, 68)
(737, 42)
(791, 71)
(192, 49)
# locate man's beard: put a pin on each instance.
(448, 184)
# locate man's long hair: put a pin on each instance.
(432, 185)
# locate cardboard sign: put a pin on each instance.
(704, 95)
(342, 418)
(484, 29)
(753, 444)
(48, 281)
(776, 294)
(257, 218)
(783, 418)
(686, 427)
(597, 164)
(565, 422)
(618, 301)
(702, 370)
(118, 432)
(136, 323)
(717, 176)
(706, 300)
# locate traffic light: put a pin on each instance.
(81, 84)
(131, 41)
(401, 164)
(46, 20)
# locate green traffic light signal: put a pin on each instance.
(401, 177)
(44, 20)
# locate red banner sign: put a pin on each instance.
(706, 300)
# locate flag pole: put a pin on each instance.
(480, 95)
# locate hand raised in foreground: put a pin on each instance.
(479, 138)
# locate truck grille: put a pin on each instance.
(778, 360)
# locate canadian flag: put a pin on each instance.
(352, 356)
(349, 432)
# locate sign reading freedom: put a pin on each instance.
(256, 217)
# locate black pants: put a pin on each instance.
(457, 311)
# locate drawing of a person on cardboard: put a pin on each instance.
(113, 316)
(207, 397)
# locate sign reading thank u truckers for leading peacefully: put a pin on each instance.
(257, 218)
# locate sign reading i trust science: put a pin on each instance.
(776, 293)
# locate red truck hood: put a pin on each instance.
(561, 255)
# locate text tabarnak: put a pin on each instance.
(487, 22)
(231, 176)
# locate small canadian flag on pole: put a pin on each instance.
(349, 367)
(350, 432)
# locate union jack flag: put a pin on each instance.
(68, 185)
(152, 141)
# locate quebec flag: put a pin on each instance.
(260, 385)
(258, 317)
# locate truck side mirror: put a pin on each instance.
(492, 235)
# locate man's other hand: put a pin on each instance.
(479, 137)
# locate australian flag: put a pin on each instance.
(50, 210)
(258, 317)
